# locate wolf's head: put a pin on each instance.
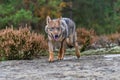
(54, 28)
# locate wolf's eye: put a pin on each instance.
(51, 29)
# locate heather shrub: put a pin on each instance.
(106, 41)
(102, 42)
(114, 38)
(21, 44)
(89, 40)
(83, 35)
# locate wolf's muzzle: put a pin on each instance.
(56, 36)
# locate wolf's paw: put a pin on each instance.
(78, 56)
(60, 58)
(51, 57)
(51, 60)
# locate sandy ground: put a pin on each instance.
(97, 67)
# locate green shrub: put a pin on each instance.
(21, 44)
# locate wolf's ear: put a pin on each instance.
(48, 19)
(59, 20)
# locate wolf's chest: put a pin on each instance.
(57, 44)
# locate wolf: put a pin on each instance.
(61, 31)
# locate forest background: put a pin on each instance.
(101, 15)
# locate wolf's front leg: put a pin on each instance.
(51, 54)
(61, 51)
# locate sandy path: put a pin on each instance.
(85, 68)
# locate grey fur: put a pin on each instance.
(69, 28)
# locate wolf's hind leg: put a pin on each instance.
(77, 52)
